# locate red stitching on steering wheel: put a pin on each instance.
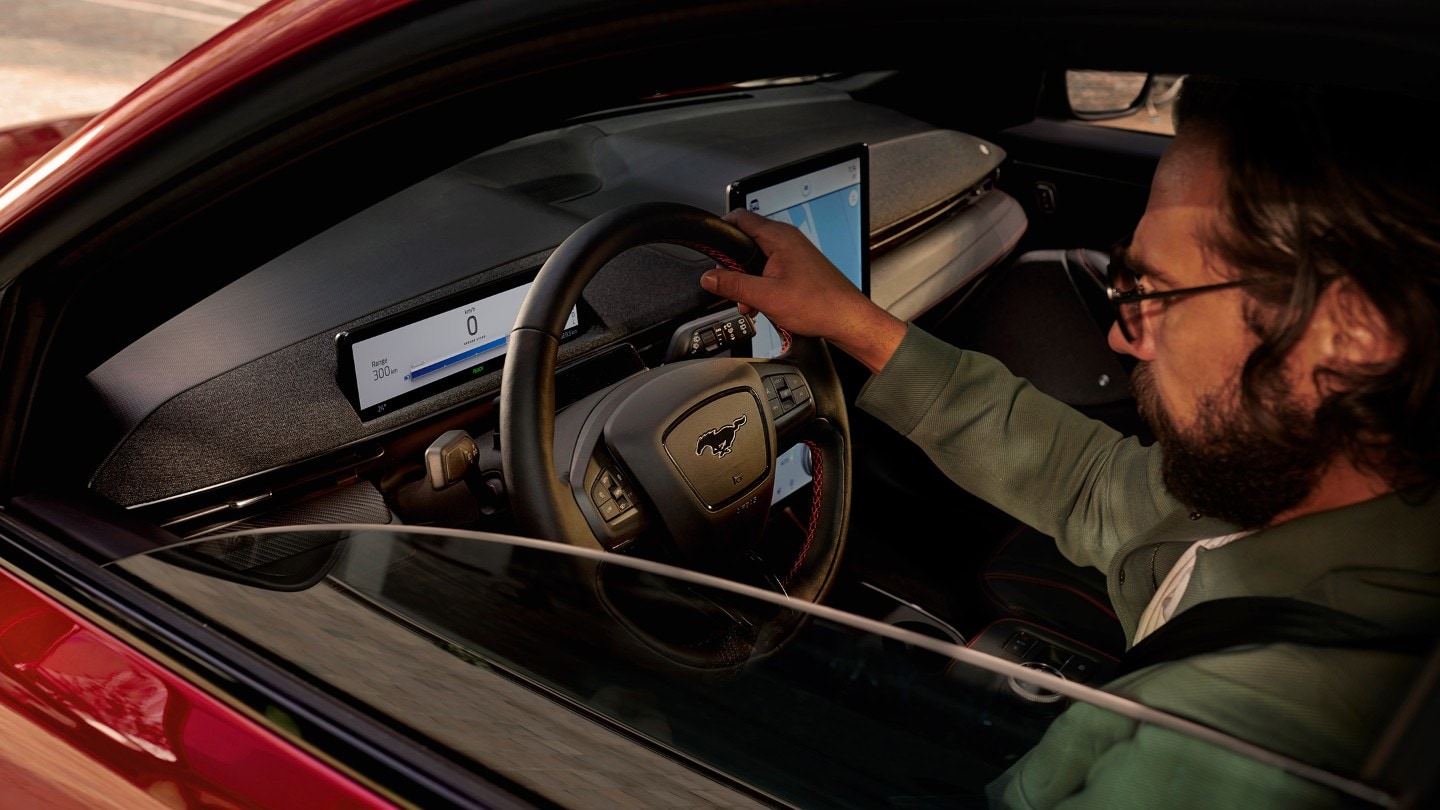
(818, 462)
(723, 258)
(784, 337)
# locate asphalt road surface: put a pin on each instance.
(74, 57)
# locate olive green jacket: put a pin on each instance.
(1100, 495)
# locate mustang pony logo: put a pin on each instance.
(720, 440)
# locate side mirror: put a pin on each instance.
(1105, 95)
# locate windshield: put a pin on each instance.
(576, 673)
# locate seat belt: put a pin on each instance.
(1220, 624)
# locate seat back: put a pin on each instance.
(1046, 317)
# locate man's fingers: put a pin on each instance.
(729, 284)
(722, 282)
(735, 216)
(759, 228)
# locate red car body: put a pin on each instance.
(110, 725)
(25, 144)
(113, 728)
(256, 43)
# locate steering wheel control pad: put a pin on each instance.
(785, 392)
(700, 447)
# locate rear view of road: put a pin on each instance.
(76, 57)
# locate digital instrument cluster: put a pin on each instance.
(418, 353)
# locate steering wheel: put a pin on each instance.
(685, 452)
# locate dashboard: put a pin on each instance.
(341, 359)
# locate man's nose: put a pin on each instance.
(1124, 345)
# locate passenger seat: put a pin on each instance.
(1045, 316)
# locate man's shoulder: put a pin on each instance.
(1322, 705)
(1095, 758)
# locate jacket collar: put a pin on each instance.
(1378, 559)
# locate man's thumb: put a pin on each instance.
(728, 284)
(712, 281)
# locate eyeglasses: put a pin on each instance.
(1125, 292)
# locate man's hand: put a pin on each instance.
(801, 291)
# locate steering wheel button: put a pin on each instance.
(609, 510)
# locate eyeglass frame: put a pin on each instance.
(1119, 298)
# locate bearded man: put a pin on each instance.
(1281, 295)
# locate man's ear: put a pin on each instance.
(1348, 331)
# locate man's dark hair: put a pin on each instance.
(1325, 184)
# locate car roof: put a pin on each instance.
(1364, 43)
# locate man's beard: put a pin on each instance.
(1224, 466)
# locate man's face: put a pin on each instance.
(1223, 465)
(1192, 350)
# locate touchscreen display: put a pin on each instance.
(827, 198)
(407, 357)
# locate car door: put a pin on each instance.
(1082, 166)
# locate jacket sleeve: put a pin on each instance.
(1038, 459)
(1094, 758)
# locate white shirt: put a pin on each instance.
(1162, 605)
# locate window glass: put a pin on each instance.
(1122, 99)
(575, 672)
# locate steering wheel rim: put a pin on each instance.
(548, 495)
